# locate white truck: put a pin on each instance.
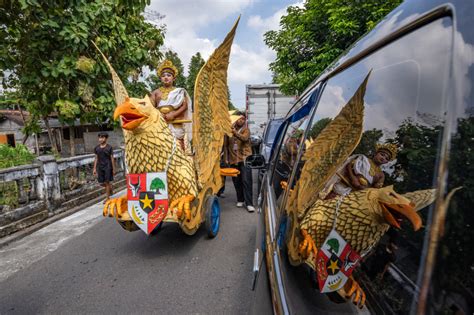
(265, 102)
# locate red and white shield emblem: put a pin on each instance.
(335, 262)
(147, 196)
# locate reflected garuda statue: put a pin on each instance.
(332, 235)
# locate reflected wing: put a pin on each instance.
(211, 119)
(421, 198)
(330, 149)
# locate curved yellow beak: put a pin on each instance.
(394, 213)
(129, 115)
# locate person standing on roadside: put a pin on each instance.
(104, 164)
(238, 147)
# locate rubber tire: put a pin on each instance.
(213, 216)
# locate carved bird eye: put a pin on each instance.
(142, 103)
(393, 195)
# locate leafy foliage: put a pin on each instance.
(368, 141)
(13, 156)
(194, 66)
(313, 36)
(415, 169)
(230, 104)
(54, 67)
(418, 148)
(318, 127)
(173, 56)
(154, 80)
(456, 253)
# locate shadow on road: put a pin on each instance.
(169, 241)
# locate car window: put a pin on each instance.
(452, 285)
(271, 132)
(288, 153)
(289, 143)
(372, 146)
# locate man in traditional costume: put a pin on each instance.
(360, 172)
(173, 103)
(237, 149)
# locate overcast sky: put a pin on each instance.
(201, 25)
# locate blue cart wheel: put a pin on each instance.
(213, 216)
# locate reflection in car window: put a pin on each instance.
(272, 130)
(394, 159)
(287, 155)
(452, 287)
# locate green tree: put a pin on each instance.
(230, 104)
(418, 149)
(54, 67)
(415, 169)
(154, 80)
(368, 141)
(194, 66)
(456, 252)
(18, 155)
(313, 36)
(318, 127)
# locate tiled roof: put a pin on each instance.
(14, 115)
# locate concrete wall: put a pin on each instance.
(9, 127)
(54, 186)
(78, 144)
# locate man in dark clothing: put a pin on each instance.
(238, 147)
(384, 255)
(104, 164)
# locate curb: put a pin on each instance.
(35, 227)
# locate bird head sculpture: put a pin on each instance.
(137, 115)
(391, 208)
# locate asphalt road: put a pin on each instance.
(88, 264)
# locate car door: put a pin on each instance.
(405, 104)
(284, 158)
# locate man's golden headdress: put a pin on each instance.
(168, 65)
(389, 148)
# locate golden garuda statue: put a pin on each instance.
(164, 183)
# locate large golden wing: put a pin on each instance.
(330, 149)
(211, 119)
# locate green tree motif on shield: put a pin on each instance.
(156, 185)
(333, 246)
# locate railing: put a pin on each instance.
(48, 184)
(19, 186)
(76, 173)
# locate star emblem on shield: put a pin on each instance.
(147, 201)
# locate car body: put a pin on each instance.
(420, 96)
